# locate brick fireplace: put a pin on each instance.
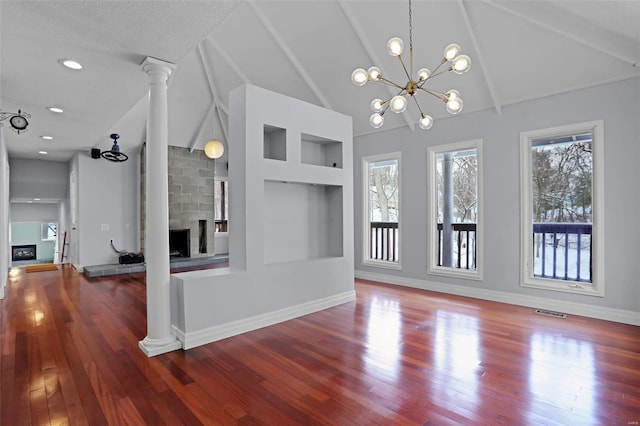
(191, 203)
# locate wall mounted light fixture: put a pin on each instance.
(17, 121)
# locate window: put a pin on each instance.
(221, 197)
(455, 210)
(562, 208)
(49, 231)
(382, 210)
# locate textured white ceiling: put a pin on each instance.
(306, 49)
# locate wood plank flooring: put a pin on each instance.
(69, 355)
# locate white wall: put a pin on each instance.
(268, 282)
(107, 208)
(47, 180)
(618, 104)
(34, 212)
(5, 245)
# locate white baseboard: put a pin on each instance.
(201, 337)
(581, 309)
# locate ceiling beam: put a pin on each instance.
(200, 133)
(348, 13)
(228, 59)
(289, 54)
(217, 103)
(204, 63)
(480, 57)
(552, 18)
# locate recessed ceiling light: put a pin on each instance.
(56, 109)
(71, 64)
(47, 137)
(36, 199)
(43, 152)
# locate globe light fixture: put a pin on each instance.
(214, 149)
(452, 61)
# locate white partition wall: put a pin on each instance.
(291, 221)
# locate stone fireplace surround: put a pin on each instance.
(191, 203)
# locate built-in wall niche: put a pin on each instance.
(321, 151)
(302, 221)
(275, 143)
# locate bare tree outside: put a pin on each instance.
(383, 191)
(383, 210)
(561, 206)
(457, 185)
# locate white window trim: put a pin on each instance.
(365, 210)
(596, 288)
(432, 212)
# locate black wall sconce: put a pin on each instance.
(17, 121)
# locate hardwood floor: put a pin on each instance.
(70, 355)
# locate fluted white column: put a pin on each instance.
(159, 338)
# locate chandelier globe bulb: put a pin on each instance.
(374, 73)
(376, 105)
(398, 104)
(423, 74)
(451, 51)
(395, 46)
(376, 120)
(454, 106)
(452, 94)
(359, 76)
(461, 64)
(425, 122)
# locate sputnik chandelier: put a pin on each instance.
(454, 61)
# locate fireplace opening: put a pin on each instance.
(24, 252)
(180, 242)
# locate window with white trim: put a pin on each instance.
(455, 209)
(562, 205)
(381, 178)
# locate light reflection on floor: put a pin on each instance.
(457, 357)
(384, 331)
(561, 373)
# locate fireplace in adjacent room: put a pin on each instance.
(24, 252)
(180, 242)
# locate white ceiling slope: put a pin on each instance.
(306, 49)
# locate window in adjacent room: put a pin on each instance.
(562, 208)
(382, 210)
(455, 213)
(221, 197)
(49, 231)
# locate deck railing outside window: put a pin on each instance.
(562, 251)
(383, 241)
(464, 250)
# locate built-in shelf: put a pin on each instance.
(275, 143)
(321, 151)
(302, 221)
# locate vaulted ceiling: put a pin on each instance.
(306, 49)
